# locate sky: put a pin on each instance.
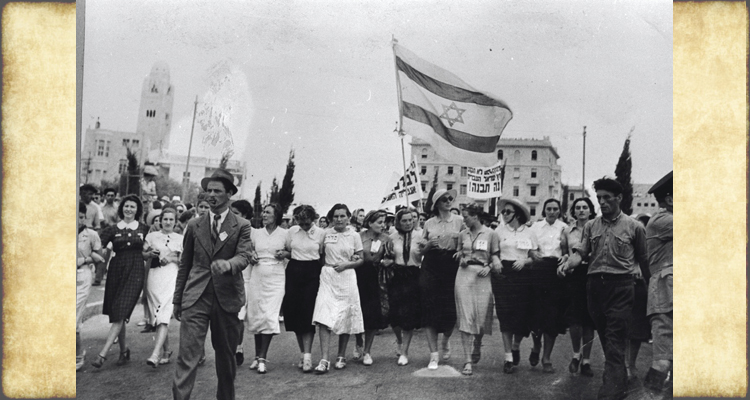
(319, 77)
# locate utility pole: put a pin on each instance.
(186, 174)
(583, 179)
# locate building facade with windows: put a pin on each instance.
(103, 155)
(532, 174)
(643, 202)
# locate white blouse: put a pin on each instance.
(515, 244)
(305, 246)
(341, 246)
(267, 244)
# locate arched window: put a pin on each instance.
(424, 153)
(499, 154)
(533, 155)
(517, 155)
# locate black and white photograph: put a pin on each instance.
(425, 199)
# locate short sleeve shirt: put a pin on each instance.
(549, 237)
(88, 242)
(659, 241)
(266, 244)
(110, 214)
(515, 243)
(92, 216)
(165, 243)
(341, 246)
(305, 246)
(481, 247)
(613, 246)
(373, 246)
(446, 230)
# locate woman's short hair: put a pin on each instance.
(276, 212)
(474, 209)
(399, 214)
(338, 206)
(588, 203)
(134, 199)
(544, 214)
(372, 216)
(169, 210)
(304, 212)
(323, 218)
(353, 216)
(244, 207)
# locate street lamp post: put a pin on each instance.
(186, 174)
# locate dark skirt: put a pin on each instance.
(577, 312)
(369, 297)
(403, 298)
(301, 289)
(549, 298)
(124, 284)
(437, 280)
(640, 326)
(513, 299)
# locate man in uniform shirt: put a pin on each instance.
(659, 241)
(614, 242)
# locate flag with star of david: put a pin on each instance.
(461, 123)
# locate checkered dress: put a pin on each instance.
(126, 271)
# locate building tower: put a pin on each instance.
(155, 112)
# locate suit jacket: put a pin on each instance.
(199, 251)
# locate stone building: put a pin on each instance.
(532, 174)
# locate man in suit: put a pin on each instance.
(210, 289)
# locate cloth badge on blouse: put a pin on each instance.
(223, 236)
(375, 246)
(332, 238)
(481, 245)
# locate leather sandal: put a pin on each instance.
(467, 369)
(262, 366)
(153, 360)
(254, 364)
(322, 367)
(165, 357)
(340, 363)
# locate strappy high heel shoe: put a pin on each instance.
(153, 360)
(124, 357)
(99, 361)
(165, 357)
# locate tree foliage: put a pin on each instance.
(433, 189)
(286, 193)
(257, 208)
(130, 181)
(622, 174)
(273, 195)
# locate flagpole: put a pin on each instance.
(400, 132)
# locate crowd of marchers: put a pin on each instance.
(354, 273)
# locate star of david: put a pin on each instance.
(458, 112)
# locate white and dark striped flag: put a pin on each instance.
(461, 123)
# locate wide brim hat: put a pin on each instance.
(501, 203)
(222, 175)
(151, 216)
(150, 170)
(442, 192)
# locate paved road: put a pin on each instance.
(383, 380)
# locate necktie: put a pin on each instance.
(215, 229)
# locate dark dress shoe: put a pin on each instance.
(508, 367)
(548, 368)
(148, 328)
(124, 357)
(586, 370)
(534, 358)
(573, 366)
(516, 356)
(240, 358)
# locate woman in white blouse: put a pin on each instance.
(165, 246)
(305, 243)
(337, 307)
(267, 280)
(511, 285)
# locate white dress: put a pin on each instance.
(266, 285)
(161, 281)
(337, 304)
